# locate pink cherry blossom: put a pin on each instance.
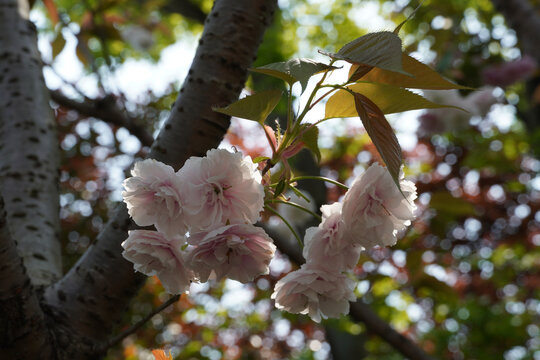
(314, 291)
(154, 254)
(240, 252)
(374, 210)
(221, 188)
(154, 197)
(329, 245)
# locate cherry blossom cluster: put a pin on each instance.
(203, 215)
(372, 212)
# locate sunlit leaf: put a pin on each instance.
(423, 77)
(381, 133)
(256, 107)
(356, 72)
(293, 70)
(310, 138)
(389, 99)
(259, 159)
(379, 49)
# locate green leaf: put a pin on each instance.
(381, 133)
(256, 107)
(424, 77)
(380, 49)
(293, 70)
(280, 187)
(310, 138)
(389, 99)
(259, 159)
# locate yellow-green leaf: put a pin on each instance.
(293, 70)
(256, 107)
(356, 72)
(310, 138)
(381, 133)
(379, 49)
(424, 77)
(389, 99)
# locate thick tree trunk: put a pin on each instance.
(23, 332)
(90, 299)
(28, 147)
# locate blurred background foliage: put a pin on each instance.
(464, 281)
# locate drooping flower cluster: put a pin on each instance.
(372, 213)
(204, 216)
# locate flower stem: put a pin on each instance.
(298, 206)
(311, 96)
(273, 211)
(322, 178)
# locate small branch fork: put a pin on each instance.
(115, 340)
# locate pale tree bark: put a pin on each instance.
(89, 300)
(28, 147)
(23, 331)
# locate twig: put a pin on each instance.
(105, 110)
(115, 340)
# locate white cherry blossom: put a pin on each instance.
(329, 245)
(154, 196)
(240, 252)
(314, 291)
(221, 188)
(374, 210)
(152, 253)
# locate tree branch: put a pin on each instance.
(95, 292)
(360, 311)
(29, 172)
(23, 332)
(141, 322)
(217, 75)
(106, 110)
